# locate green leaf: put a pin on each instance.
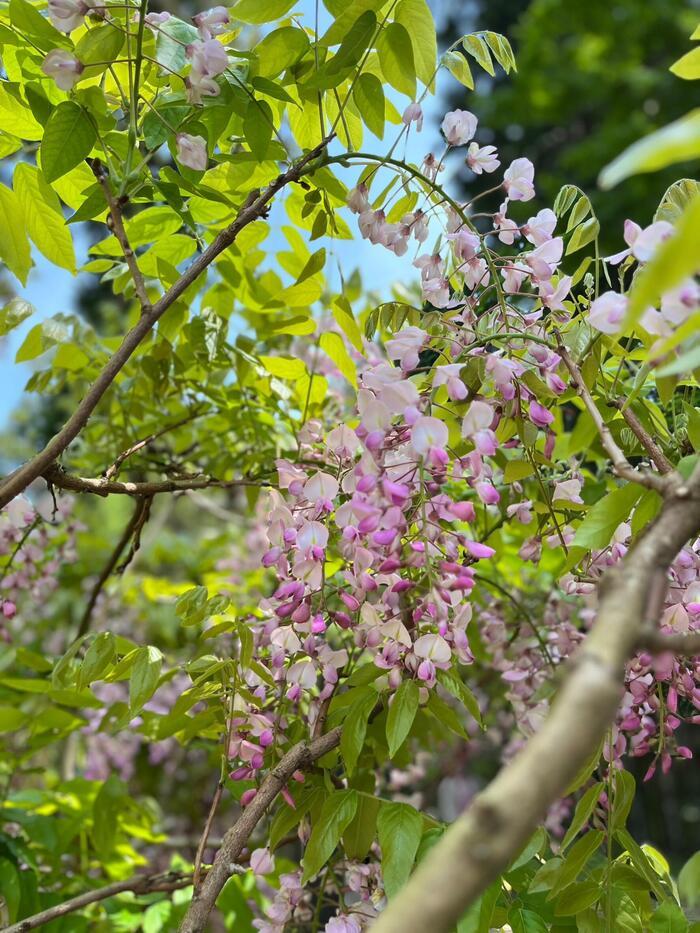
(257, 127)
(584, 809)
(689, 881)
(43, 216)
(68, 139)
(30, 22)
(676, 198)
(368, 94)
(622, 799)
(688, 65)
(402, 712)
(577, 858)
(479, 50)
(417, 19)
(355, 729)
(15, 117)
(100, 46)
(333, 345)
(458, 66)
(344, 318)
(668, 917)
(452, 682)
(674, 260)
(105, 814)
(15, 311)
(144, 677)
(336, 814)
(358, 837)
(596, 530)
(502, 51)
(526, 921)
(584, 234)
(399, 828)
(280, 49)
(10, 887)
(446, 715)
(478, 919)
(14, 245)
(261, 11)
(576, 898)
(395, 53)
(676, 142)
(172, 39)
(98, 657)
(641, 863)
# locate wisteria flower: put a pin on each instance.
(458, 127)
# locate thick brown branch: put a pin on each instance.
(137, 518)
(655, 453)
(117, 224)
(622, 467)
(252, 209)
(57, 477)
(484, 840)
(143, 884)
(301, 757)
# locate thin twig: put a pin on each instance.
(117, 224)
(141, 884)
(112, 470)
(111, 564)
(252, 209)
(197, 877)
(655, 453)
(622, 467)
(56, 476)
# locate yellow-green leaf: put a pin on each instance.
(43, 216)
(14, 245)
(333, 345)
(396, 58)
(688, 66)
(415, 15)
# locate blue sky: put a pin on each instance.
(51, 290)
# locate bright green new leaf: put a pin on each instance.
(144, 677)
(68, 139)
(417, 19)
(342, 312)
(280, 49)
(677, 142)
(333, 345)
(399, 828)
(15, 311)
(597, 528)
(336, 814)
(396, 58)
(369, 97)
(688, 66)
(43, 216)
(106, 811)
(402, 712)
(99, 46)
(261, 11)
(14, 245)
(15, 117)
(458, 66)
(479, 50)
(668, 918)
(689, 881)
(258, 127)
(29, 21)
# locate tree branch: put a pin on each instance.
(622, 467)
(483, 841)
(138, 517)
(655, 453)
(143, 884)
(252, 209)
(683, 644)
(300, 757)
(56, 476)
